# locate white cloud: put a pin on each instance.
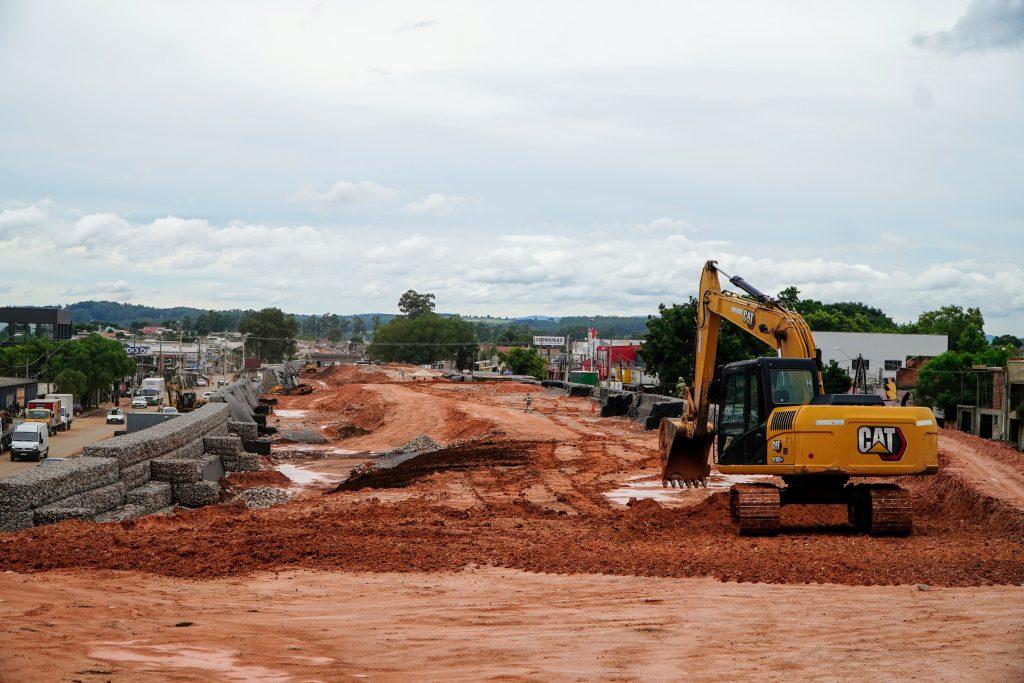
(438, 204)
(987, 25)
(17, 221)
(344, 193)
(663, 226)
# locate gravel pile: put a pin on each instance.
(421, 444)
(263, 497)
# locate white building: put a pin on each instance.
(884, 353)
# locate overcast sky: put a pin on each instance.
(514, 158)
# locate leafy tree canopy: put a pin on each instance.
(526, 361)
(414, 304)
(272, 334)
(963, 328)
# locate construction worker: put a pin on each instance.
(681, 389)
(529, 403)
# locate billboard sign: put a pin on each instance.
(133, 350)
(549, 341)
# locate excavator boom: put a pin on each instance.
(686, 442)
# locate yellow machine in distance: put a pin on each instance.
(773, 417)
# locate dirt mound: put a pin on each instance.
(996, 450)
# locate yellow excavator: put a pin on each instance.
(773, 417)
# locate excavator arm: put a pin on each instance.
(685, 442)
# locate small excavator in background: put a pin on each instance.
(773, 417)
(184, 400)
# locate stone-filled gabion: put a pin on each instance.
(222, 445)
(125, 512)
(53, 514)
(257, 446)
(16, 521)
(243, 430)
(98, 500)
(190, 451)
(131, 449)
(151, 497)
(174, 470)
(241, 462)
(41, 486)
(135, 476)
(263, 497)
(197, 494)
(211, 468)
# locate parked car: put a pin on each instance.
(169, 410)
(115, 417)
(30, 440)
(201, 382)
(50, 461)
(363, 361)
(78, 408)
(207, 395)
(222, 382)
(139, 402)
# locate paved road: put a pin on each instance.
(84, 431)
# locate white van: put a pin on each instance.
(30, 440)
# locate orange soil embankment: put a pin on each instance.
(530, 498)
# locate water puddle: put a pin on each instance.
(222, 662)
(291, 414)
(647, 486)
(300, 475)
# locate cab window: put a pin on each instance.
(792, 387)
(740, 410)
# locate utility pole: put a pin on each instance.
(242, 369)
(568, 358)
(161, 363)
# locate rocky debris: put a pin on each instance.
(421, 444)
(41, 486)
(197, 494)
(151, 497)
(263, 497)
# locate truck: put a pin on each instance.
(46, 411)
(67, 408)
(153, 389)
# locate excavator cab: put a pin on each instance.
(748, 392)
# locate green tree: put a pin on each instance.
(425, 338)
(358, 330)
(413, 304)
(836, 379)
(271, 334)
(963, 328)
(668, 349)
(948, 380)
(71, 381)
(526, 361)
(1008, 340)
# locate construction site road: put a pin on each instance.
(997, 478)
(493, 623)
(85, 430)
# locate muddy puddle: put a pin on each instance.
(649, 486)
(291, 414)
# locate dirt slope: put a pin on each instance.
(996, 478)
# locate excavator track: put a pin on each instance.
(755, 508)
(881, 510)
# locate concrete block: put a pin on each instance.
(151, 497)
(197, 494)
(222, 445)
(241, 462)
(40, 486)
(16, 521)
(174, 470)
(52, 514)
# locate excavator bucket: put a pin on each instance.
(684, 455)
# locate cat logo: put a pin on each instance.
(776, 445)
(748, 317)
(885, 442)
